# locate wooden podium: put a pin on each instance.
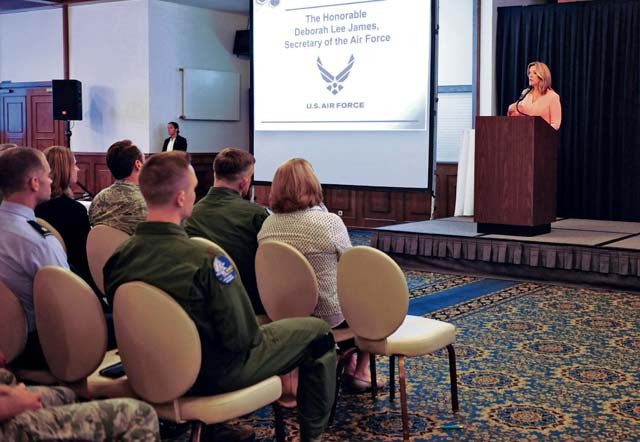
(515, 175)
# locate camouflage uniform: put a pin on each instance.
(120, 206)
(61, 419)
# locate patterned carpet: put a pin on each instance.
(420, 283)
(535, 362)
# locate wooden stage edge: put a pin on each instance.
(593, 253)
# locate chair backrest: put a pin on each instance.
(372, 291)
(158, 342)
(13, 324)
(215, 246)
(102, 241)
(70, 322)
(50, 228)
(286, 281)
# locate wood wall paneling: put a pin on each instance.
(343, 202)
(381, 208)
(262, 194)
(417, 206)
(203, 166)
(14, 119)
(446, 176)
(43, 130)
(366, 208)
(95, 175)
(103, 177)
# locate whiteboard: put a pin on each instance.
(210, 95)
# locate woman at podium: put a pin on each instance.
(538, 100)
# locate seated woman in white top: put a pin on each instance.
(302, 221)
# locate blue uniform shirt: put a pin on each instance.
(23, 251)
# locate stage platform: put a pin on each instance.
(576, 251)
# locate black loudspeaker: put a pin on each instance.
(67, 100)
(242, 44)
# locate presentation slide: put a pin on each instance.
(344, 85)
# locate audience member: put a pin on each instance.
(301, 220)
(4, 147)
(121, 205)
(236, 351)
(174, 141)
(48, 413)
(226, 218)
(66, 215)
(25, 246)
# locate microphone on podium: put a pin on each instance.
(524, 93)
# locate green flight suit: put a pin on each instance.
(227, 219)
(236, 351)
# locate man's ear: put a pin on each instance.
(34, 184)
(180, 197)
(137, 165)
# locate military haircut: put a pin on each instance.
(121, 158)
(231, 163)
(17, 166)
(163, 175)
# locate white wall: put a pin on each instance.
(189, 37)
(31, 46)
(488, 25)
(455, 58)
(109, 53)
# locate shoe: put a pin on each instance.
(226, 432)
(352, 384)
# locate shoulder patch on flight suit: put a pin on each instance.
(223, 269)
(40, 229)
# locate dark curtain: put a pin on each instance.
(593, 51)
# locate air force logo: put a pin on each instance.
(222, 267)
(335, 82)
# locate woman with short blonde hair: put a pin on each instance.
(301, 220)
(539, 99)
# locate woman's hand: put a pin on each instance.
(512, 109)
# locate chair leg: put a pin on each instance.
(454, 378)
(339, 373)
(196, 431)
(392, 377)
(403, 398)
(279, 422)
(374, 379)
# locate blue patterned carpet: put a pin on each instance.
(535, 362)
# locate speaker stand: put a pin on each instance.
(67, 132)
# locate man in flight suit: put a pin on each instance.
(226, 218)
(236, 351)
